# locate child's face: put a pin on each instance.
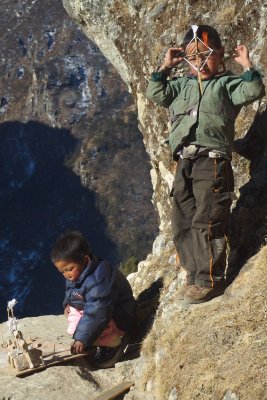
(211, 66)
(70, 269)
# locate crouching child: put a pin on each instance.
(98, 303)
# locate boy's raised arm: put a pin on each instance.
(160, 90)
(249, 86)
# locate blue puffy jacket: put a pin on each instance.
(102, 292)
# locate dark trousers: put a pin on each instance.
(200, 217)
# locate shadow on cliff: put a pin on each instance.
(147, 305)
(40, 198)
(248, 222)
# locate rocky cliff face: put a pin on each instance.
(134, 36)
(71, 154)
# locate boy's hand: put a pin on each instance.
(241, 56)
(172, 58)
(77, 347)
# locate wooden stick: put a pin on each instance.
(200, 82)
(198, 72)
(115, 391)
(48, 364)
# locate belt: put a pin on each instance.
(193, 151)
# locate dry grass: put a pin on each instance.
(213, 347)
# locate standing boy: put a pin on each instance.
(203, 107)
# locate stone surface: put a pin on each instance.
(173, 394)
(229, 395)
(60, 382)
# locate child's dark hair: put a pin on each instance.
(212, 34)
(71, 246)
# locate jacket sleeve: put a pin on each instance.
(161, 91)
(245, 89)
(98, 308)
(66, 297)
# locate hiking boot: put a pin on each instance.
(107, 357)
(198, 294)
(179, 295)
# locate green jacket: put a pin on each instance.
(209, 120)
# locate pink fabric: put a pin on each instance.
(73, 318)
(109, 334)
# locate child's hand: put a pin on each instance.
(172, 58)
(77, 347)
(67, 310)
(241, 56)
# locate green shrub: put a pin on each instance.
(129, 266)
